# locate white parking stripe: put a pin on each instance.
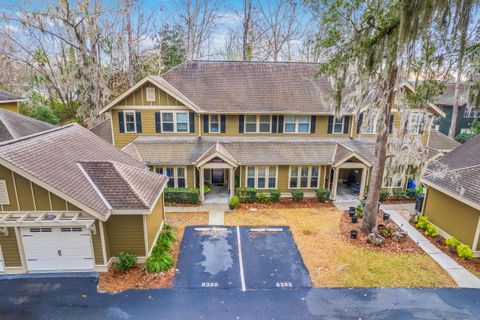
(240, 259)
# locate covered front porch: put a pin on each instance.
(349, 178)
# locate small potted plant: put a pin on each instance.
(353, 234)
(359, 211)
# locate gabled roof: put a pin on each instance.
(104, 130)
(448, 95)
(441, 142)
(6, 97)
(458, 172)
(252, 87)
(67, 161)
(343, 154)
(216, 150)
(14, 125)
(252, 150)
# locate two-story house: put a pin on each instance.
(249, 124)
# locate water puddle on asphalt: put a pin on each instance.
(217, 252)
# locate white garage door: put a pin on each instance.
(57, 248)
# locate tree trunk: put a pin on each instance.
(376, 179)
(130, 47)
(247, 16)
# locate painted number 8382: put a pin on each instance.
(283, 284)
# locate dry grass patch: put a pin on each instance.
(333, 262)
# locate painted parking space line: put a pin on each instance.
(240, 260)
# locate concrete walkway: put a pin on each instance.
(462, 277)
(216, 218)
(216, 211)
(345, 204)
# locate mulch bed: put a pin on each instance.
(288, 204)
(407, 246)
(439, 242)
(137, 278)
(398, 201)
(173, 204)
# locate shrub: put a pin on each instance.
(411, 193)
(322, 194)
(247, 194)
(126, 261)
(384, 194)
(297, 195)
(263, 198)
(399, 193)
(422, 222)
(464, 252)
(182, 195)
(431, 230)
(452, 241)
(206, 189)
(233, 202)
(359, 211)
(161, 259)
(275, 195)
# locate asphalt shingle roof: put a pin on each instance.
(59, 157)
(458, 171)
(14, 125)
(252, 87)
(7, 96)
(439, 141)
(104, 130)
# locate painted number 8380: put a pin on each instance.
(209, 284)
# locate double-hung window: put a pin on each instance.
(304, 177)
(338, 125)
(175, 122)
(414, 122)
(130, 121)
(297, 124)
(214, 123)
(370, 124)
(262, 177)
(470, 113)
(258, 123)
(177, 175)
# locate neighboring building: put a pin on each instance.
(466, 115)
(452, 201)
(70, 201)
(15, 125)
(104, 130)
(9, 101)
(439, 145)
(257, 124)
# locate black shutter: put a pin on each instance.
(222, 124)
(360, 122)
(158, 122)
(280, 124)
(330, 125)
(390, 125)
(205, 123)
(241, 123)
(346, 124)
(274, 124)
(138, 118)
(121, 124)
(192, 122)
(313, 124)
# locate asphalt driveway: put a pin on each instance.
(240, 257)
(77, 298)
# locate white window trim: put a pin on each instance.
(175, 177)
(374, 125)
(410, 128)
(299, 176)
(471, 113)
(4, 197)
(267, 171)
(134, 120)
(175, 121)
(342, 119)
(210, 124)
(149, 92)
(297, 124)
(257, 124)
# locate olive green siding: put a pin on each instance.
(191, 183)
(283, 178)
(107, 243)
(452, 216)
(10, 251)
(125, 233)
(154, 222)
(13, 106)
(97, 245)
(139, 98)
(31, 196)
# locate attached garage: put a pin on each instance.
(58, 248)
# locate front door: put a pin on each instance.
(217, 176)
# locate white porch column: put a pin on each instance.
(335, 182)
(201, 182)
(362, 183)
(231, 181)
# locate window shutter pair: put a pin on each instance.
(206, 123)
(121, 122)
